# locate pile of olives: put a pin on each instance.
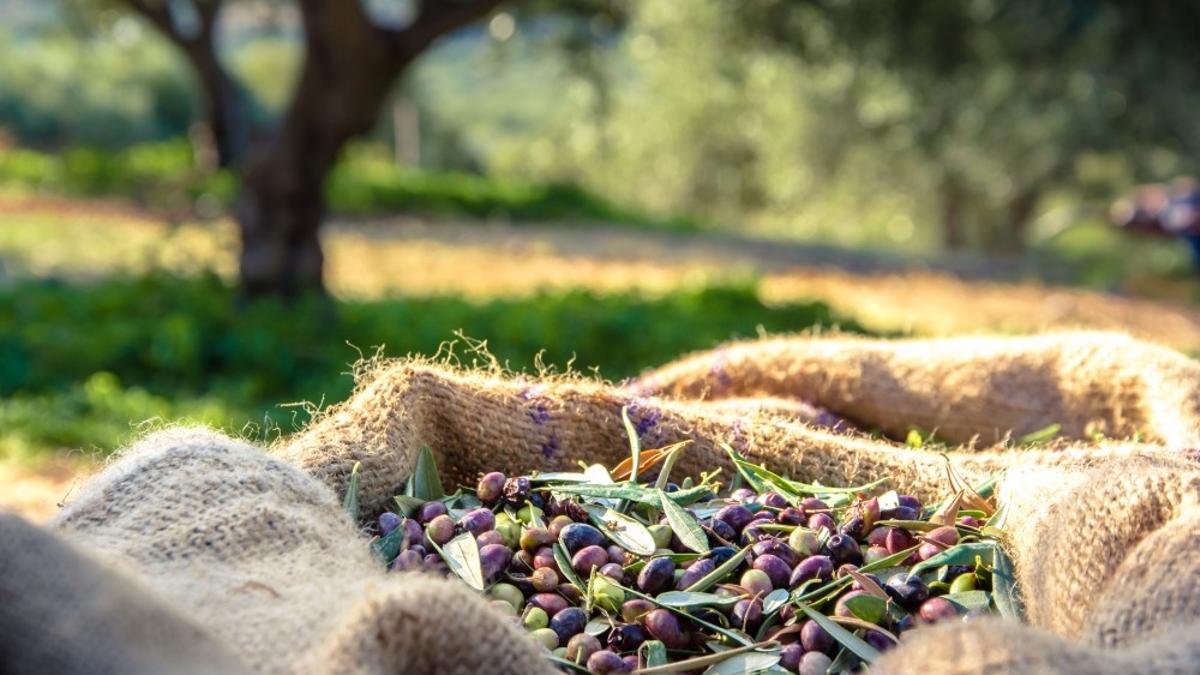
(783, 576)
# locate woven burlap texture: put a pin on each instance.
(250, 552)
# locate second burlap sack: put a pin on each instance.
(257, 552)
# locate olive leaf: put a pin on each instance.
(673, 452)
(867, 607)
(745, 663)
(635, 493)
(847, 639)
(597, 626)
(623, 530)
(676, 558)
(350, 503)
(408, 504)
(695, 599)
(387, 547)
(960, 554)
(635, 445)
(718, 658)
(571, 665)
(564, 564)
(684, 525)
(744, 471)
(462, 555)
(868, 585)
(425, 483)
(1041, 435)
(654, 653)
(775, 600)
(970, 600)
(1005, 593)
(559, 477)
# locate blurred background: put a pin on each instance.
(210, 209)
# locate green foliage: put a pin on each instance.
(165, 175)
(166, 347)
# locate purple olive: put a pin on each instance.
(779, 571)
(407, 560)
(878, 640)
(822, 521)
(631, 662)
(898, 540)
(431, 510)
(814, 663)
(488, 538)
(656, 576)
(491, 488)
(577, 536)
(791, 516)
(910, 502)
(736, 516)
(587, 558)
(773, 499)
(478, 521)
(747, 614)
(699, 569)
(663, 625)
(388, 522)
(812, 567)
(908, 590)
(720, 532)
(568, 622)
(634, 610)
(581, 646)
(969, 521)
(843, 549)
(493, 558)
(618, 555)
(742, 495)
(777, 548)
(810, 504)
(613, 571)
(604, 662)
(937, 609)
(626, 638)
(544, 557)
(789, 657)
(814, 638)
(440, 530)
(551, 603)
(878, 535)
(517, 490)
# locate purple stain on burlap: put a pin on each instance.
(540, 416)
(550, 447)
(717, 370)
(644, 416)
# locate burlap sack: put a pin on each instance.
(254, 552)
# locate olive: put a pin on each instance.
(544, 580)
(843, 549)
(388, 522)
(618, 555)
(433, 563)
(898, 540)
(903, 513)
(509, 530)
(413, 533)
(756, 582)
(662, 535)
(747, 614)
(517, 490)
(571, 592)
(407, 560)
(546, 637)
(856, 586)
(535, 618)
(490, 488)
(773, 499)
(812, 567)
(613, 571)
(698, 570)
(587, 558)
(969, 521)
(779, 571)
(821, 521)
(663, 625)
(814, 663)
(656, 576)
(814, 638)
(789, 657)
(721, 554)
(937, 609)
(909, 501)
(489, 537)
(557, 524)
(777, 548)
(874, 554)
(581, 646)
(534, 538)
(631, 662)
(578, 536)
(804, 542)
(508, 593)
(607, 594)
(719, 532)
(544, 557)
(552, 603)
(963, 583)
(908, 590)
(736, 516)
(478, 521)
(742, 495)
(635, 609)
(493, 558)
(431, 510)
(810, 504)
(878, 640)
(791, 516)
(568, 622)
(878, 535)
(604, 662)
(626, 638)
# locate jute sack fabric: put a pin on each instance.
(254, 552)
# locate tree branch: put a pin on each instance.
(436, 18)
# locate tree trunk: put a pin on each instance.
(1020, 213)
(225, 108)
